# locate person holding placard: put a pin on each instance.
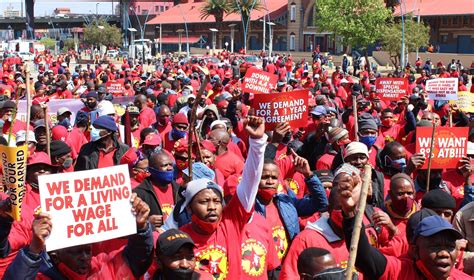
(77, 262)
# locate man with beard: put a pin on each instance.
(175, 257)
(91, 102)
(104, 150)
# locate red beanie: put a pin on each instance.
(180, 118)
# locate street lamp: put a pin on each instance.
(180, 34)
(160, 27)
(97, 9)
(132, 39)
(142, 30)
(214, 32)
(264, 37)
(232, 30)
(226, 45)
(270, 44)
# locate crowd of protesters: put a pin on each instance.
(261, 204)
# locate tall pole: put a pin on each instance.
(160, 40)
(97, 10)
(270, 46)
(264, 29)
(418, 22)
(402, 59)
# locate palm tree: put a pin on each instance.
(244, 8)
(217, 9)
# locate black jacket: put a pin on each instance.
(146, 193)
(88, 157)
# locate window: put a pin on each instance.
(444, 21)
(465, 20)
(293, 12)
(157, 9)
(444, 39)
(162, 8)
(455, 20)
(144, 11)
(292, 41)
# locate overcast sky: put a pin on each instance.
(46, 7)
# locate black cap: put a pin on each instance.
(8, 104)
(59, 148)
(438, 199)
(325, 175)
(170, 241)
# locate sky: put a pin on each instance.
(46, 7)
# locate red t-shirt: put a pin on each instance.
(280, 236)
(147, 117)
(219, 253)
(165, 198)
(393, 133)
(258, 251)
(76, 140)
(229, 163)
(106, 159)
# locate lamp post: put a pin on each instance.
(180, 34)
(142, 31)
(402, 58)
(97, 9)
(160, 37)
(214, 32)
(232, 32)
(226, 45)
(132, 41)
(270, 44)
(264, 34)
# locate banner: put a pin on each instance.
(87, 206)
(450, 145)
(14, 175)
(442, 89)
(114, 87)
(391, 89)
(258, 81)
(291, 107)
(465, 101)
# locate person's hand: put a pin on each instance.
(349, 194)
(156, 221)
(299, 134)
(301, 165)
(236, 95)
(42, 226)
(465, 167)
(416, 161)
(141, 211)
(5, 209)
(255, 127)
(280, 131)
(382, 219)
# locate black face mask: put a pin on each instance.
(91, 105)
(436, 180)
(177, 274)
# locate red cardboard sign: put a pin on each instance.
(450, 145)
(258, 81)
(291, 107)
(391, 89)
(114, 87)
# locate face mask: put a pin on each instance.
(426, 272)
(69, 273)
(10, 119)
(67, 163)
(331, 274)
(328, 192)
(398, 164)
(177, 134)
(141, 176)
(404, 205)
(336, 217)
(162, 177)
(95, 134)
(177, 274)
(387, 122)
(65, 122)
(182, 164)
(368, 140)
(266, 194)
(164, 121)
(207, 227)
(91, 105)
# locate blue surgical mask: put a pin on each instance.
(368, 140)
(65, 122)
(398, 164)
(95, 134)
(177, 134)
(162, 177)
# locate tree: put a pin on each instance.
(217, 9)
(416, 35)
(359, 22)
(48, 43)
(244, 8)
(391, 4)
(99, 32)
(68, 44)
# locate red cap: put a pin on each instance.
(59, 132)
(180, 118)
(222, 104)
(39, 158)
(129, 157)
(152, 139)
(206, 144)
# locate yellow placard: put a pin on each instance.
(465, 101)
(14, 175)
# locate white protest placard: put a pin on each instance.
(87, 206)
(442, 89)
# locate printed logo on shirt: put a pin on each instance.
(294, 186)
(213, 260)
(253, 257)
(281, 242)
(389, 138)
(166, 208)
(280, 188)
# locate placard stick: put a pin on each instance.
(358, 221)
(430, 157)
(356, 124)
(48, 134)
(450, 114)
(28, 103)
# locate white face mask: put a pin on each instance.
(95, 134)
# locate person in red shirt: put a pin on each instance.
(208, 157)
(147, 115)
(319, 263)
(135, 126)
(178, 131)
(159, 190)
(62, 92)
(137, 166)
(163, 120)
(338, 138)
(6, 113)
(227, 162)
(61, 156)
(77, 137)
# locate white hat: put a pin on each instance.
(356, 148)
(218, 122)
(470, 148)
(106, 108)
(63, 110)
(21, 136)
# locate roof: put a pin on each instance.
(436, 7)
(175, 39)
(191, 13)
